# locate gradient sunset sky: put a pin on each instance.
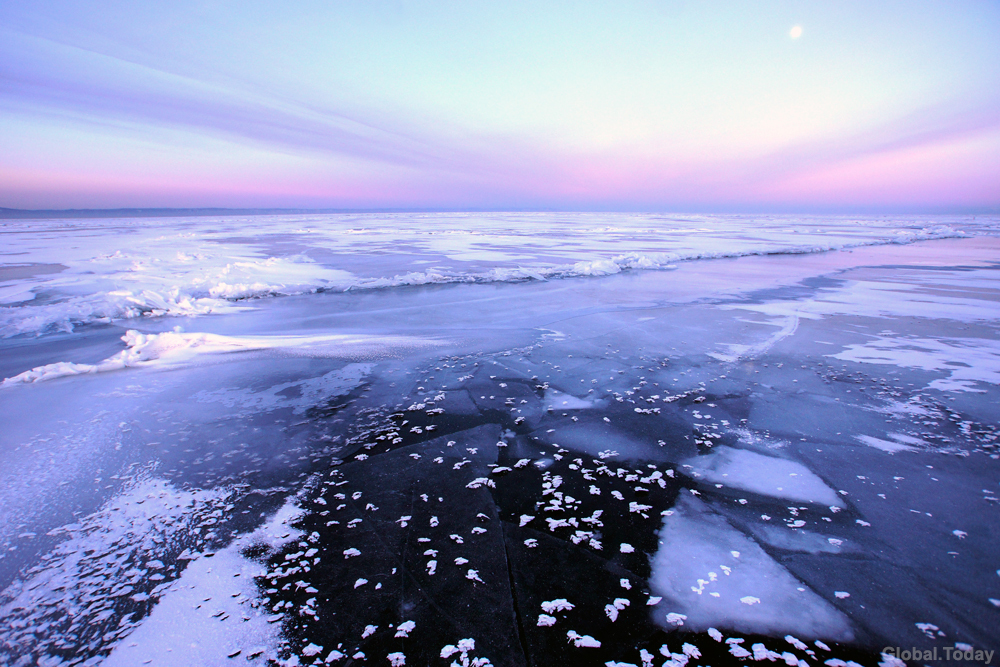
(626, 105)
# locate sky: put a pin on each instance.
(624, 105)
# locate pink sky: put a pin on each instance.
(596, 106)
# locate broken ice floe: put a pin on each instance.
(697, 543)
(766, 475)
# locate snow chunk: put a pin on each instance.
(560, 604)
(582, 641)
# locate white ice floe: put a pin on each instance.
(154, 281)
(797, 540)
(694, 541)
(766, 475)
(557, 400)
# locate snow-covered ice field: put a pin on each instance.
(507, 439)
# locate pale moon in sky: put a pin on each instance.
(796, 32)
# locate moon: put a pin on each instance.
(795, 32)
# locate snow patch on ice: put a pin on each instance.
(174, 348)
(884, 445)
(83, 595)
(187, 628)
(874, 298)
(965, 360)
(311, 391)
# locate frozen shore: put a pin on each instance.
(788, 456)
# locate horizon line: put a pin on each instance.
(7, 213)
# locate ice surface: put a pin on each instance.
(422, 429)
(766, 475)
(125, 268)
(755, 593)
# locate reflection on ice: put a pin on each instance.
(717, 577)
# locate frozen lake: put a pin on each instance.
(551, 439)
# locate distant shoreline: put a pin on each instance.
(152, 212)
(41, 214)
